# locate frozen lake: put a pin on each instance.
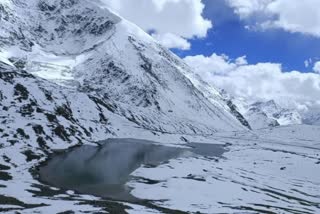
(104, 170)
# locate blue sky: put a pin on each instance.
(229, 36)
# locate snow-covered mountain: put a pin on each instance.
(259, 119)
(282, 115)
(265, 114)
(82, 45)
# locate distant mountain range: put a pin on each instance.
(263, 114)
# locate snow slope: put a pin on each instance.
(273, 170)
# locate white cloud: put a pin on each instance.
(300, 16)
(247, 8)
(316, 67)
(181, 18)
(241, 60)
(307, 63)
(262, 81)
(172, 41)
(210, 66)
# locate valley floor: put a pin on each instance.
(265, 171)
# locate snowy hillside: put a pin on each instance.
(80, 44)
(39, 113)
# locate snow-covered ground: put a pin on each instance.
(267, 171)
(270, 171)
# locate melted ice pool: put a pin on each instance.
(104, 171)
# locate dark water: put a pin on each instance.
(103, 171)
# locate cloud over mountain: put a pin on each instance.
(262, 81)
(171, 21)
